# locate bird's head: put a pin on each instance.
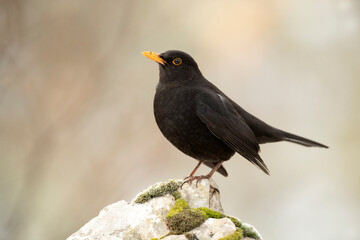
(175, 66)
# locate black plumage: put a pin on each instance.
(204, 123)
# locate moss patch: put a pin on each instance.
(177, 195)
(159, 190)
(215, 214)
(237, 223)
(212, 213)
(180, 205)
(181, 218)
(249, 231)
(237, 235)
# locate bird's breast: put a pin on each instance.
(175, 112)
(175, 115)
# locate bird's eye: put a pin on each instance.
(177, 61)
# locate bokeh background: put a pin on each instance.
(77, 130)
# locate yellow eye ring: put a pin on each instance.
(177, 61)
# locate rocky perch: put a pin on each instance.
(170, 212)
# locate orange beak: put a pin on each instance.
(154, 56)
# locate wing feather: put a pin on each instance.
(226, 124)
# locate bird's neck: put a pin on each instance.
(185, 78)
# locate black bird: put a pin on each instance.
(204, 123)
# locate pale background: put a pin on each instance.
(77, 130)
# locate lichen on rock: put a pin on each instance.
(212, 213)
(158, 190)
(181, 218)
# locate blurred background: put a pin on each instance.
(77, 130)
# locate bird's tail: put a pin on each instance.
(300, 140)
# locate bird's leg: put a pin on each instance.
(192, 173)
(209, 175)
(195, 169)
(199, 178)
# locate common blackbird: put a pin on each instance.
(204, 123)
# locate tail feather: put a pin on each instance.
(300, 140)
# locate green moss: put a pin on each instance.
(237, 235)
(185, 221)
(176, 195)
(159, 190)
(250, 232)
(181, 218)
(215, 214)
(251, 235)
(212, 213)
(180, 205)
(237, 223)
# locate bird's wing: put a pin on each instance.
(226, 124)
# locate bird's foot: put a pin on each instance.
(189, 179)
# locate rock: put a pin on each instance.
(204, 194)
(210, 229)
(214, 229)
(164, 210)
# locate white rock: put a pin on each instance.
(203, 194)
(214, 229)
(122, 220)
(127, 221)
(176, 237)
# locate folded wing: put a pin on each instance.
(226, 124)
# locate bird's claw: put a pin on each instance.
(186, 179)
(189, 179)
